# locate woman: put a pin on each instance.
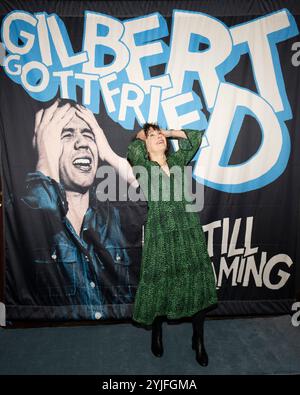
(176, 276)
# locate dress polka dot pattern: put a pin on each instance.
(176, 275)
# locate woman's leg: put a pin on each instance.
(198, 338)
(156, 343)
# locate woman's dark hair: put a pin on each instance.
(147, 126)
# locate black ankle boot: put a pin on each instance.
(156, 342)
(201, 354)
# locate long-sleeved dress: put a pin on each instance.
(176, 275)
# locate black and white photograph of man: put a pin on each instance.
(81, 254)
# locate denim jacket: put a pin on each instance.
(65, 276)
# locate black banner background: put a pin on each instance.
(275, 207)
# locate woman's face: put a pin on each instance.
(156, 141)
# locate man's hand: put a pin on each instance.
(105, 151)
(104, 148)
(49, 124)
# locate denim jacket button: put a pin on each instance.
(98, 315)
(92, 284)
(54, 256)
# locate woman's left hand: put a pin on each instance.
(166, 133)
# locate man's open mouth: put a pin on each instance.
(83, 164)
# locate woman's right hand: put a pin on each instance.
(141, 135)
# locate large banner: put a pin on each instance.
(78, 80)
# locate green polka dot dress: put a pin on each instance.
(176, 275)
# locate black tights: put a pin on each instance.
(156, 342)
(157, 323)
(197, 339)
(197, 322)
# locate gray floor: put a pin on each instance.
(235, 346)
